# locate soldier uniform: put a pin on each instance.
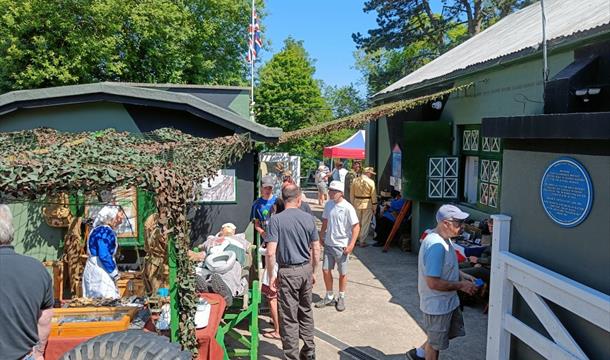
(349, 179)
(364, 199)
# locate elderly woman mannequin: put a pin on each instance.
(101, 272)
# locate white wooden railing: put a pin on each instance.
(534, 282)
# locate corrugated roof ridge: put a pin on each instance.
(533, 10)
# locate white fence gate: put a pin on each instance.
(534, 282)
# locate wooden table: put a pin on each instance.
(209, 349)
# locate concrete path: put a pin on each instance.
(382, 320)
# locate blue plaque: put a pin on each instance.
(566, 192)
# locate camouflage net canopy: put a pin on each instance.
(44, 162)
(375, 113)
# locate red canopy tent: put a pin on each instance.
(352, 148)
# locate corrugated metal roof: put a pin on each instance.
(516, 32)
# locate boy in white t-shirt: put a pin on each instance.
(340, 229)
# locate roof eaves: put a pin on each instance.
(555, 44)
(181, 86)
(141, 93)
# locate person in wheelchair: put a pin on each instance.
(219, 263)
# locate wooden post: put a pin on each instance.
(401, 216)
(501, 293)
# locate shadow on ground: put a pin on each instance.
(355, 352)
(397, 271)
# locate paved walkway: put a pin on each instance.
(382, 320)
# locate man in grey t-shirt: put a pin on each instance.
(291, 235)
(26, 299)
(439, 279)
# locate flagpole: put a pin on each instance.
(253, 33)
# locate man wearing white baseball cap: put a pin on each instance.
(340, 229)
(439, 279)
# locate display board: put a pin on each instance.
(221, 188)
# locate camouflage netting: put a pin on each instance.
(40, 163)
(357, 120)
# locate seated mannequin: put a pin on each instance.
(220, 263)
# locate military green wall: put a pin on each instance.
(581, 253)
(33, 236)
(241, 105)
(503, 91)
(76, 118)
(384, 148)
(508, 91)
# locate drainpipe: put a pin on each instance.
(545, 71)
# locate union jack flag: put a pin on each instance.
(254, 39)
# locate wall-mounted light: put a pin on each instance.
(437, 105)
(586, 92)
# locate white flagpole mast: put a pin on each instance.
(252, 46)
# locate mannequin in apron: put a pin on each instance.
(101, 273)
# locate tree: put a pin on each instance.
(289, 97)
(345, 100)
(410, 34)
(60, 42)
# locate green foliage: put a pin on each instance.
(344, 100)
(289, 97)
(61, 42)
(410, 34)
(382, 67)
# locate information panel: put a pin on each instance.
(566, 192)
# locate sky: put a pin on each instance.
(326, 28)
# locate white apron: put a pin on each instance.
(97, 282)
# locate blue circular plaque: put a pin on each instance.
(566, 192)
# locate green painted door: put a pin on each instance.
(421, 140)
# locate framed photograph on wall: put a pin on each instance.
(222, 188)
(127, 201)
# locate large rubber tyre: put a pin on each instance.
(127, 345)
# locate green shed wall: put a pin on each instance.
(515, 89)
(581, 253)
(76, 118)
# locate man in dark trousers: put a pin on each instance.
(291, 235)
(26, 299)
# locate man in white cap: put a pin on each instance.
(439, 279)
(340, 229)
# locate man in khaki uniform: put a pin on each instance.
(354, 173)
(364, 199)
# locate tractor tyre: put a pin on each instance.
(127, 345)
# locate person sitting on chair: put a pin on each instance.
(387, 219)
(221, 259)
(480, 266)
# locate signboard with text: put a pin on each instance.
(566, 192)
